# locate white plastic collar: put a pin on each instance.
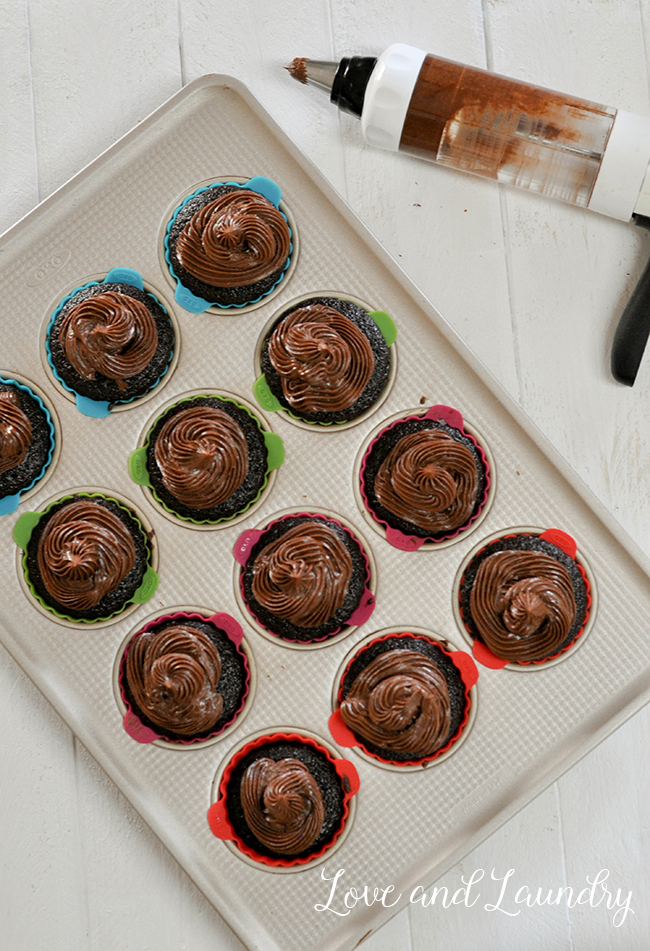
(622, 183)
(388, 95)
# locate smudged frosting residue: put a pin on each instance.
(430, 480)
(323, 359)
(304, 575)
(109, 333)
(523, 604)
(282, 804)
(237, 239)
(173, 675)
(15, 431)
(400, 702)
(202, 455)
(84, 552)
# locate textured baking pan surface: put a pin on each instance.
(409, 827)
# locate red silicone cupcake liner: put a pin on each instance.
(483, 654)
(394, 536)
(242, 552)
(132, 723)
(219, 821)
(462, 661)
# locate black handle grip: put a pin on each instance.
(634, 326)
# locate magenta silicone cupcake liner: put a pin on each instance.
(243, 549)
(563, 543)
(220, 817)
(466, 670)
(137, 726)
(447, 416)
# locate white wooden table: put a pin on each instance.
(534, 287)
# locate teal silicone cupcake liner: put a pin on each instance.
(139, 472)
(9, 503)
(22, 535)
(198, 305)
(98, 409)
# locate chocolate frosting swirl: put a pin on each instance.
(323, 359)
(282, 804)
(15, 431)
(84, 552)
(202, 455)
(235, 240)
(430, 480)
(303, 576)
(173, 675)
(400, 702)
(523, 604)
(110, 333)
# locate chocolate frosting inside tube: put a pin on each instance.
(15, 431)
(202, 455)
(84, 552)
(282, 804)
(400, 702)
(523, 604)
(303, 576)
(173, 675)
(429, 480)
(324, 360)
(112, 334)
(235, 240)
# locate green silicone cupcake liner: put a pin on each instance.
(22, 534)
(274, 457)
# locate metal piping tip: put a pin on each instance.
(313, 72)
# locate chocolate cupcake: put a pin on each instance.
(207, 458)
(228, 245)
(283, 799)
(524, 597)
(403, 698)
(184, 678)
(110, 342)
(27, 442)
(305, 577)
(326, 360)
(86, 557)
(425, 478)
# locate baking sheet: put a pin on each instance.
(409, 827)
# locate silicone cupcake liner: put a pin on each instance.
(98, 409)
(197, 305)
(218, 816)
(242, 551)
(397, 538)
(9, 503)
(141, 732)
(22, 534)
(565, 543)
(467, 671)
(269, 402)
(275, 457)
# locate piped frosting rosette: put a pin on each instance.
(284, 799)
(304, 578)
(425, 478)
(524, 597)
(404, 698)
(183, 678)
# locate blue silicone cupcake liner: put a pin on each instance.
(197, 305)
(98, 409)
(9, 503)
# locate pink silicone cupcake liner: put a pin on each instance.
(218, 816)
(565, 543)
(467, 671)
(362, 613)
(132, 723)
(397, 538)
